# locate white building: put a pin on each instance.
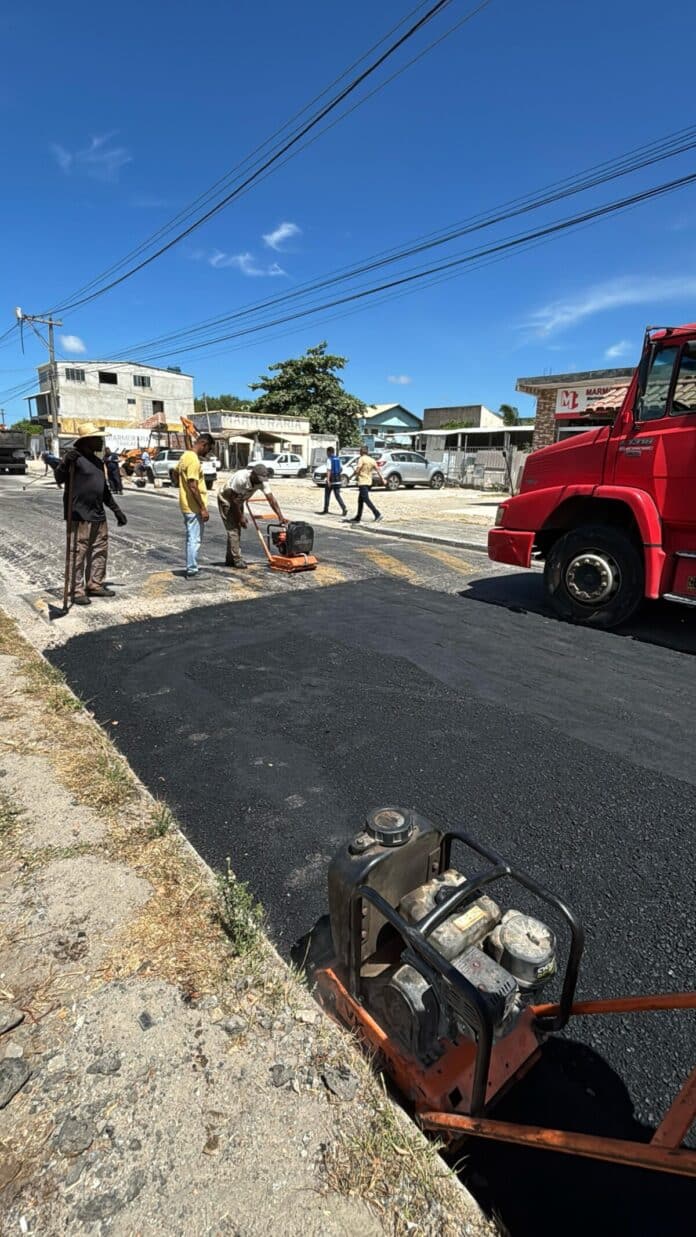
(246, 435)
(113, 394)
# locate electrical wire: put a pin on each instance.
(634, 161)
(273, 158)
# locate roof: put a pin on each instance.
(444, 432)
(373, 410)
(588, 377)
(611, 401)
(79, 362)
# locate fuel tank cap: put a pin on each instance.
(390, 826)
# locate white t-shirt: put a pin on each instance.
(241, 484)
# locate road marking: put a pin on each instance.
(449, 560)
(390, 565)
(324, 574)
(157, 583)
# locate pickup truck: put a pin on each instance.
(163, 466)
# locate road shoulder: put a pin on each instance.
(160, 1067)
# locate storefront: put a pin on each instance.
(572, 403)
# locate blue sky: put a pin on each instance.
(115, 118)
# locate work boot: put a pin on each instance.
(81, 601)
(240, 566)
(102, 591)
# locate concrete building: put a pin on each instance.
(475, 416)
(562, 399)
(393, 421)
(114, 394)
(244, 436)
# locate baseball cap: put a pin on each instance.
(260, 470)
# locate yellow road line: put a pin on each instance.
(390, 565)
(449, 560)
(157, 583)
(325, 574)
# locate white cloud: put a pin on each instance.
(623, 348)
(72, 343)
(400, 380)
(244, 262)
(613, 294)
(101, 159)
(283, 232)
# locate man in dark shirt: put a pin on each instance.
(90, 494)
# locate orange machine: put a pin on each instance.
(441, 985)
(287, 544)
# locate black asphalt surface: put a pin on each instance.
(275, 725)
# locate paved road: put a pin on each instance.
(422, 678)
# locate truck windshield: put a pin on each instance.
(684, 398)
(653, 403)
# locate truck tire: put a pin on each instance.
(594, 575)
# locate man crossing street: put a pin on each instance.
(332, 484)
(365, 470)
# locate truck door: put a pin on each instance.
(657, 452)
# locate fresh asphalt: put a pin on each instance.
(270, 728)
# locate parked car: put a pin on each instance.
(347, 459)
(163, 466)
(409, 468)
(286, 464)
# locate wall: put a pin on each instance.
(473, 414)
(545, 419)
(94, 401)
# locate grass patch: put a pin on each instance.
(241, 917)
(9, 816)
(377, 1158)
(162, 822)
(48, 682)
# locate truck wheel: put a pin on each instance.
(594, 575)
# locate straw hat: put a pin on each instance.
(88, 430)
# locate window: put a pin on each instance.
(74, 375)
(157, 406)
(108, 378)
(141, 380)
(131, 401)
(684, 398)
(653, 403)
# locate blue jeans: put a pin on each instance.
(364, 500)
(194, 536)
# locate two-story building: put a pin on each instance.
(115, 395)
(389, 423)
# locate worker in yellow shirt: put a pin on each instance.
(365, 470)
(193, 498)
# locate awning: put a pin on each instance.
(611, 401)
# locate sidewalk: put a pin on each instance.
(161, 1070)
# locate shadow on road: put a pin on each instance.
(657, 622)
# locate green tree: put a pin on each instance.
(510, 414)
(228, 403)
(27, 427)
(308, 386)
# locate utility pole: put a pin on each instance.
(53, 393)
(2, 417)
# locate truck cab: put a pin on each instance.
(612, 512)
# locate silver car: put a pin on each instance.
(408, 468)
(348, 460)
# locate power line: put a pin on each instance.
(275, 156)
(503, 246)
(633, 161)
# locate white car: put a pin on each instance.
(286, 464)
(163, 466)
(348, 461)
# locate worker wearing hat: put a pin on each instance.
(240, 487)
(81, 471)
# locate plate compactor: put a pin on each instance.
(440, 981)
(287, 545)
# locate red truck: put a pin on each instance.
(612, 512)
